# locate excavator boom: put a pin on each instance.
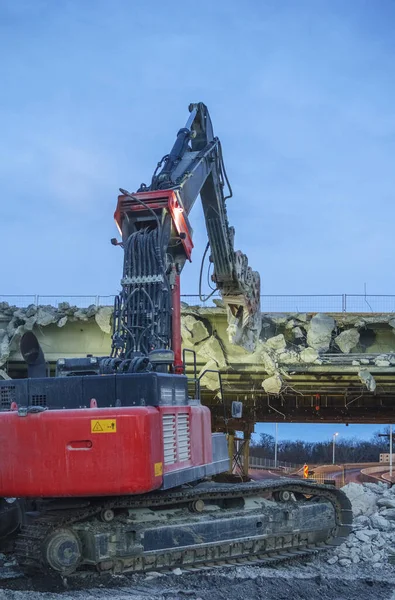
(157, 216)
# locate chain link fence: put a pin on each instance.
(278, 303)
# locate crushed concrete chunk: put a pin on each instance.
(62, 322)
(103, 318)
(362, 499)
(301, 317)
(81, 315)
(197, 331)
(269, 364)
(389, 513)
(210, 379)
(367, 379)
(288, 357)
(273, 384)
(382, 361)
(320, 331)
(356, 363)
(46, 315)
(211, 349)
(309, 355)
(4, 350)
(347, 340)
(332, 560)
(380, 523)
(361, 536)
(276, 343)
(30, 323)
(297, 333)
(290, 324)
(386, 502)
(244, 333)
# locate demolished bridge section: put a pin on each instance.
(304, 367)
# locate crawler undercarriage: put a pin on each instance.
(189, 527)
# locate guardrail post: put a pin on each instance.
(36, 297)
(97, 300)
(344, 303)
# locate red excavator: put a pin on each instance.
(114, 459)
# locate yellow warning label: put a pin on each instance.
(158, 469)
(103, 425)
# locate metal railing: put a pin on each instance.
(256, 462)
(277, 303)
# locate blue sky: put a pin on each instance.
(300, 93)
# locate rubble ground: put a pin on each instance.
(359, 569)
(291, 582)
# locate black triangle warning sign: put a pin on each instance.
(97, 427)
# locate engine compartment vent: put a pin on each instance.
(39, 400)
(183, 437)
(7, 396)
(169, 439)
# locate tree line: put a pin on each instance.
(300, 451)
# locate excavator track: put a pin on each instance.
(50, 542)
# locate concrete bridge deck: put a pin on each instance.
(306, 367)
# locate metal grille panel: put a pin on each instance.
(169, 439)
(183, 437)
(7, 396)
(39, 400)
(166, 395)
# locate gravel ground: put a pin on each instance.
(314, 580)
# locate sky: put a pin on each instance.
(301, 94)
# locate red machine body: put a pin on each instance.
(100, 452)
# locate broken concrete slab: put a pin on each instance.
(320, 330)
(273, 384)
(347, 340)
(382, 361)
(309, 355)
(367, 379)
(196, 330)
(62, 321)
(4, 375)
(4, 350)
(298, 333)
(103, 318)
(276, 343)
(243, 331)
(211, 349)
(210, 379)
(46, 315)
(269, 362)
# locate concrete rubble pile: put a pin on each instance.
(286, 340)
(290, 340)
(373, 538)
(14, 321)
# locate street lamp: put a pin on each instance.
(333, 447)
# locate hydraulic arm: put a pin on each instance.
(157, 240)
